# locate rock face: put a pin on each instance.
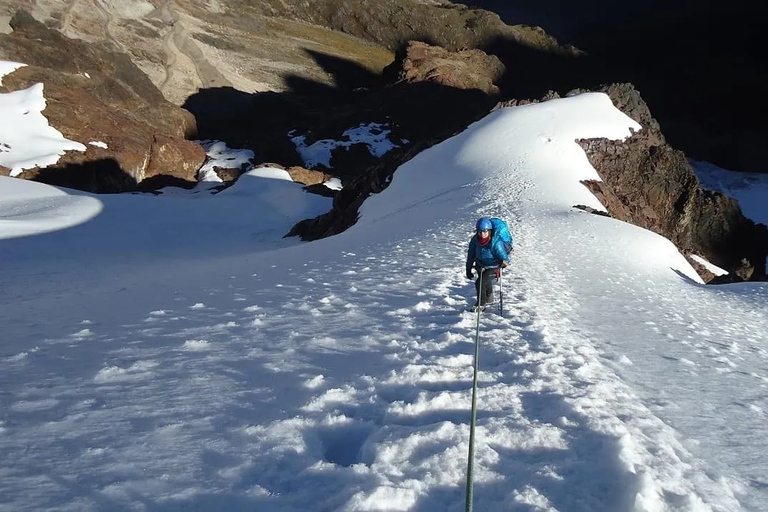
(307, 177)
(648, 183)
(466, 69)
(94, 95)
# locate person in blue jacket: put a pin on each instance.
(489, 252)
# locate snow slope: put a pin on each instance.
(203, 362)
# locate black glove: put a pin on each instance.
(469, 274)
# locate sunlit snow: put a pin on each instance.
(221, 156)
(174, 352)
(26, 138)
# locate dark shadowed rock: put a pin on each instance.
(347, 202)
(352, 157)
(648, 183)
(100, 175)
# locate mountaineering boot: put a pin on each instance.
(477, 307)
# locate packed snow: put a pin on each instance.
(174, 352)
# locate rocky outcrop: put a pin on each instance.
(307, 177)
(466, 69)
(95, 95)
(667, 53)
(648, 183)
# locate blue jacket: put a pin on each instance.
(488, 255)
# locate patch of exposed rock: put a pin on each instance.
(96, 95)
(307, 177)
(466, 69)
(648, 183)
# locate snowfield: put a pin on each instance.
(174, 352)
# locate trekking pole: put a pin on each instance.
(473, 414)
(501, 292)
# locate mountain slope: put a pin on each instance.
(335, 375)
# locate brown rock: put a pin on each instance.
(174, 157)
(94, 95)
(466, 69)
(649, 184)
(227, 174)
(307, 177)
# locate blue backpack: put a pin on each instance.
(501, 232)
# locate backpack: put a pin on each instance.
(501, 232)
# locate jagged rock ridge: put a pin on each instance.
(648, 183)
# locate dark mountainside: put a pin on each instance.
(700, 66)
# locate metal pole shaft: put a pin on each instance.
(501, 292)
